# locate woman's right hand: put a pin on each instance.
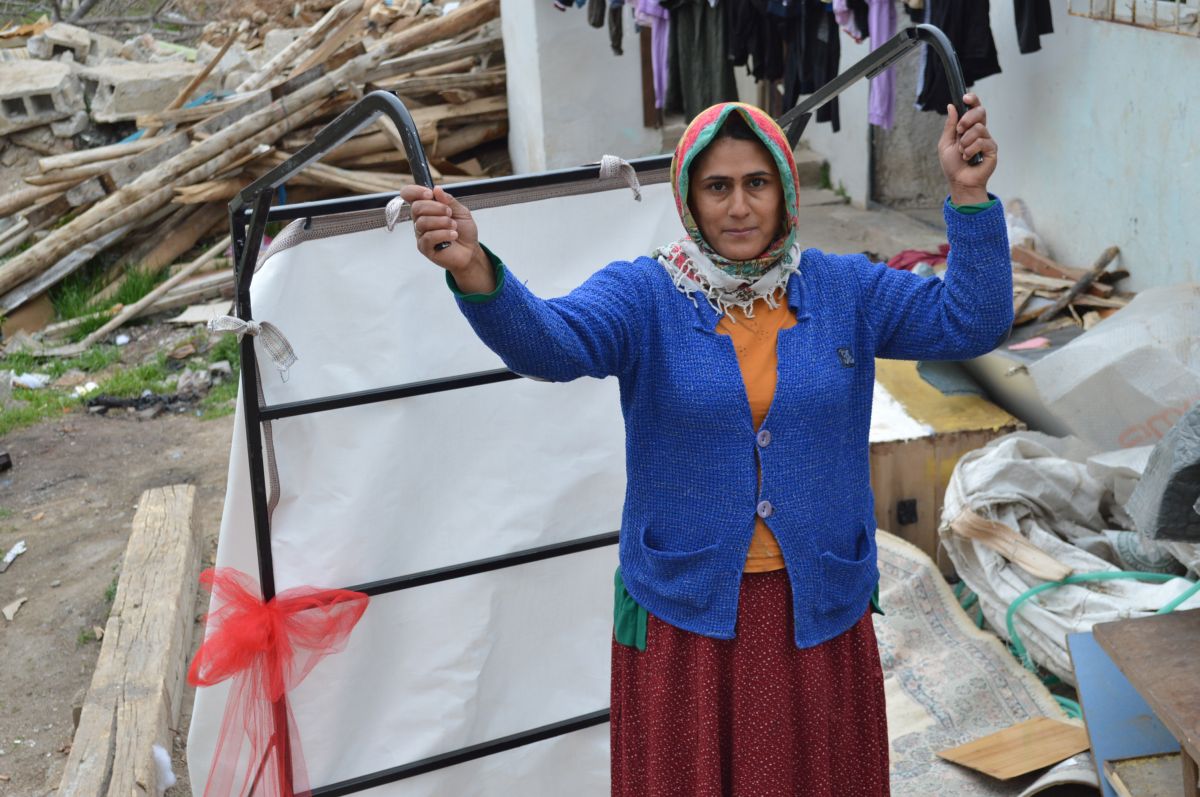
(438, 218)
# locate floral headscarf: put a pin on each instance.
(692, 262)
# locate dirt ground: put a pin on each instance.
(71, 495)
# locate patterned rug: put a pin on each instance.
(948, 683)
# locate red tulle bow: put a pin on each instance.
(267, 649)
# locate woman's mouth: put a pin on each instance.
(742, 232)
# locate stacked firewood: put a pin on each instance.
(1055, 295)
(154, 198)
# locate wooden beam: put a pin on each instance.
(22, 198)
(181, 235)
(123, 172)
(286, 56)
(196, 113)
(137, 687)
(332, 43)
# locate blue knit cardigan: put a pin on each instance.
(693, 456)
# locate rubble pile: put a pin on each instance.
(139, 146)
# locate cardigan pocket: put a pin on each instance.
(846, 582)
(685, 577)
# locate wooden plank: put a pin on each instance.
(1021, 297)
(490, 79)
(1009, 544)
(196, 113)
(1082, 285)
(213, 125)
(181, 235)
(65, 267)
(330, 43)
(84, 157)
(1040, 264)
(48, 210)
(1146, 776)
(1045, 267)
(74, 174)
(1027, 746)
(135, 694)
(1160, 655)
(16, 201)
(1120, 724)
(435, 57)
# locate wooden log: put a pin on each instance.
(126, 170)
(210, 191)
(151, 191)
(76, 174)
(132, 310)
(84, 157)
(196, 113)
(210, 127)
(1021, 298)
(23, 198)
(358, 182)
(491, 79)
(206, 158)
(1084, 282)
(332, 43)
(48, 210)
(288, 55)
(15, 236)
(136, 690)
(1040, 264)
(299, 79)
(437, 57)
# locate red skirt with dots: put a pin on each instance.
(752, 716)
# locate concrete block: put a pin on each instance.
(235, 58)
(34, 93)
(61, 38)
(124, 90)
(274, 42)
(73, 125)
(103, 47)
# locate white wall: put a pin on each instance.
(849, 150)
(570, 99)
(1099, 133)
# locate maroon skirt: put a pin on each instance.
(752, 716)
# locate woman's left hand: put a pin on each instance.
(961, 140)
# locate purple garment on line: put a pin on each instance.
(882, 102)
(650, 13)
(845, 19)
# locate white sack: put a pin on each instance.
(1060, 495)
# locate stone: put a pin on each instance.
(70, 379)
(60, 38)
(151, 412)
(87, 192)
(125, 90)
(35, 93)
(220, 371)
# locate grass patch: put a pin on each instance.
(32, 406)
(86, 636)
(226, 348)
(74, 297)
(5, 513)
(221, 400)
(826, 182)
(132, 382)
(110, 592)
(94, 359)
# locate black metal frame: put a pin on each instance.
(249, 213)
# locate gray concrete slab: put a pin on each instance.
(124, 90)
(35, 93)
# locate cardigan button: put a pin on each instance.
(765, 509)
(764, 438)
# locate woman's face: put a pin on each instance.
(736, 198)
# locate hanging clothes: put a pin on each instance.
(915, 10)
(881, 104)
(651, 14)
(755, 39)
(853, 17)
(967, 25)
(813, 49)
(1033, 22)
(616, 26)
(700, 74)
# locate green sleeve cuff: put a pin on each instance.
(875, 607)
(629, 618)
(971, 210)
(479, 298)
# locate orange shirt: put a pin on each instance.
(754, 340)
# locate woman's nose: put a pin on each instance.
(739, 206)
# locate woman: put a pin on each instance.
(744, 657)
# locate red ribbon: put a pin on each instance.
(267, 649)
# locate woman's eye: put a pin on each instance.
(716, 186)
(758, 182)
